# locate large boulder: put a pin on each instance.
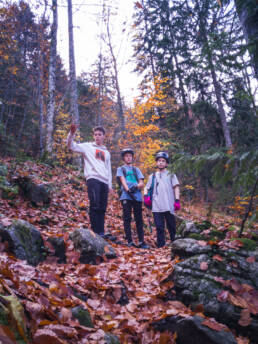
(37, 194)
(24, 241)
(192, 330)
(91, 246)
(199, 279)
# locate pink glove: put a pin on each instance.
(177, 205)
(147, 201)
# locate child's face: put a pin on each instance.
(161, 163)
(128, 158)
(99, 137)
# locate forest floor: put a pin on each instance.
(124, 295)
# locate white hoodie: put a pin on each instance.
(97, 162)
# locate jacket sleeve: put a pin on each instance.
(75, 147)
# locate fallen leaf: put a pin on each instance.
(250, 259)
(245, 318)
(214, 325)
(139, 5)
(204, 266)
(218, 257)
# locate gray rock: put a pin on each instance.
(188, 247)
(59, 247)
(196, 285)
(191, 331)
(111, 339)
(83, 316)
(24, 241)
(38, 195)
(3, 170)
(91, 246)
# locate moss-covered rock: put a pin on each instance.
(24, 241)
(83, 316)
(198, 274)
(111, 339)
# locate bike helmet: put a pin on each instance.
(127, 150)
(163, 155)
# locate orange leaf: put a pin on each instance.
(218, 257)
(214, 325)
(237, 301)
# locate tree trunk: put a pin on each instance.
(51, 82)
(248, 16)
(216, 84)
(72, 74)
(120, 111)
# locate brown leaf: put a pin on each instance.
(214, 325)
(44, 336)
(237, 300)
(204, 266)
(6, 335)
(139, 5)
(245, 318)
(235, 285)
(218, 257)
(250, 259)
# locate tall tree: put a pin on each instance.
(248, 15)
(72, 71)
(52, 80)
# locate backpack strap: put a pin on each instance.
(151, 189)
(135, 173)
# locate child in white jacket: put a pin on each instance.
(165, 198)
(97, 171)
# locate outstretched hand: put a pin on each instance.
(73, 128)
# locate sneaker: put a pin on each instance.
(131, 244)
(143, 245)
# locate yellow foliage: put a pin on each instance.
(142, 127)
(61, 131)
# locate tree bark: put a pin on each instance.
(72, 71)
(217, 87)
(120, 111)
(52, 81)
(248, 16)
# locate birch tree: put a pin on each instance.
(72, 71)
(52, 79)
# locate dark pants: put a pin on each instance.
(128, 206)
(98, 196)
(159, 219)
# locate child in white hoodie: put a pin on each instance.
(97, 171)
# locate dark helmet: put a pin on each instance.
(163, 155)
(127, 150)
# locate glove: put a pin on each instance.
(177, 205)
(133, 189)
(147, 201)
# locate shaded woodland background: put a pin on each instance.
(198, 63)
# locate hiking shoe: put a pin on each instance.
(143, 245)
(131, 244)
